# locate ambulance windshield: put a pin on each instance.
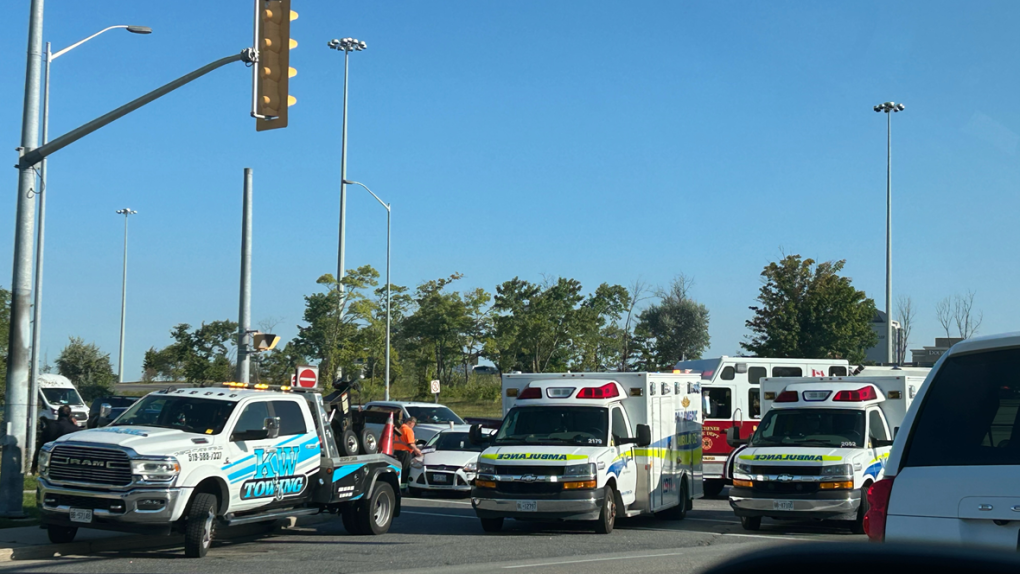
(554, 426)
(836, 428)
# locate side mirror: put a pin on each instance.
(733, 437)
(476, 437)
(420, 443)
(272, 427)
(879, 443)
(644, 435)
(105, 409)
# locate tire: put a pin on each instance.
(678, 512)
(857, 526)
(751, 522)
(350, 443)
(607, 517)
(492, 524)
(201, 526)
(376, 513)
(713, 488)
(61, 534)
(368, 442)
(352, 524)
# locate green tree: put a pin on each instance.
(435, 335)
(596, 335)
(87, 367)
(203, 355)
(533, 325)
(674, 329)
(810, 311)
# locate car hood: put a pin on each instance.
(427, 431)
(540, 454)
(792, 456)
(450, 457)
(141, 439)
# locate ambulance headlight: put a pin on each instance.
(574, 470)
(744, 468)
(486, 468)
(838, 470)
(156, 469)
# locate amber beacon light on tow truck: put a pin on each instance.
(273, 71)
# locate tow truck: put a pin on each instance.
(190, 460)
(821, 443)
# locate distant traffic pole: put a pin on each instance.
(16, 407)
(244, 312)
(889, 108)
(123, 295)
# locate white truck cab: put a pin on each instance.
(56, 391)
(820, 444)
(591, 447)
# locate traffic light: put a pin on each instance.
(274, 72)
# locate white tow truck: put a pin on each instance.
(591, 447)
(187, 460)
(821, 443)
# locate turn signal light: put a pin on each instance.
(485, 484)
(742, 483)
(580, 485)
(842, 485)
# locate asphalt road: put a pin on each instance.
(443, 535)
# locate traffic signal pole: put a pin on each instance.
(244, 311)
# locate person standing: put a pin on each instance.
(404, 447)
(63, 425)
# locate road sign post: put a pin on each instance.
(435, 390)
(306, 377)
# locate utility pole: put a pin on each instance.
(244, 312)
(889, 108)
(16, 408)
(123, 296)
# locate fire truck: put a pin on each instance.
(730, 392)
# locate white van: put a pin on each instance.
(56, 391)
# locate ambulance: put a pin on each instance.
(821, 443)
(730, 388)
(591, 447)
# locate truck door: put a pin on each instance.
(655, 454)
(249, 463)
(877, 430)
(668, 404)
(623, 465)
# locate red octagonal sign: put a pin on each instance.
(307, 377)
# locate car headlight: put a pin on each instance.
(44, 460)
(837, 470)
(745, 468)
(415, 463)
(162, 469)
(586, 469)
(471, 467)
(486, 468)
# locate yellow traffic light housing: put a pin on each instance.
(264, 341)
(272, 96)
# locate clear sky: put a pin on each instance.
(601, 141)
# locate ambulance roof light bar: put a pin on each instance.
(606, 391)
(529, 393)
(860, 395)
(787, 397)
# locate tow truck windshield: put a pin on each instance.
(836, 428)
(554, 426)
(189, 414)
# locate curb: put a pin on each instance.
(43, 551)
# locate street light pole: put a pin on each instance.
(388, 214)
(889, 108)
(123, 295)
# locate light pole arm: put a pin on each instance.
(56, 55)
(381, 202)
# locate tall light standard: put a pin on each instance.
(346, 45)
(33, 393)
(123, 296)
(889, 108)
(388, 214)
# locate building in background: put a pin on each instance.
(877, 355)
(927, 356)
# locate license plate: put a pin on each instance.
(437, 478)
(782, 505)
(527, 506)
(83, 515)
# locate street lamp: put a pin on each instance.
(388, 214)
(889, 108)
(123, 295)
(346, 45)
(33, 399)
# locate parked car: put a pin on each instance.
(117, 405)
(432, 417)
(449, 463)
(951, 475)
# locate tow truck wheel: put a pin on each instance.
(607, 518)
(492, 524)
(368, 442)
(350, 443)
(201, 525)
(352, 524)
(713, 488)
(750, 522)
(377, 513)
(61, 534)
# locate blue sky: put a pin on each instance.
(601, 141)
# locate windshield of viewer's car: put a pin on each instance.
(836, 428)
(62, 396)
(454, 441)
(188, 414)
(434, 415)
(554, 425)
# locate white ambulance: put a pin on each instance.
(821, 443)
(730, 386)
(591, 447)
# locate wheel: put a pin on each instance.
(857, 526)
(713, 488)
(350, 443)
(678, 512)
(352, 524)
(201, 525)
(368, 442)
(61, 534)
(376, 513)
(607, 517)
(492, 524)
(750, 522)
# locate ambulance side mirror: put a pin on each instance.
(733, 437)
(644, 435)
(476, 437)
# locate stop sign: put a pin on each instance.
(307, 377)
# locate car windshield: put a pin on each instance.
(116, 402)
(457, 441)
(554, 425)
(835, 428)
(434, 415)
(62, 396)
(707, 367)
(189, 414)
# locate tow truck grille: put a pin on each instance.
(90, 465)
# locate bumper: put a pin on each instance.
(111, 510)
(571, 505)
(455, 481)
(711, 469)
(838, 505)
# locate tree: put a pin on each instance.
(87, 367)
(533, 324)
(944, 313)
(676, 328)
(905, 310)
(596, 334)
(810, 311)
(638, 293)
(435, 335)
(205, 355)
(966, 324)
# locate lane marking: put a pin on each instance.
(779, 537)
(592, 560)
(714, 520)
(427, 500)
(438, 514)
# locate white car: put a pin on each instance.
(951, 477)
(432, 417)
(449, 463)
